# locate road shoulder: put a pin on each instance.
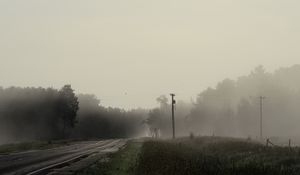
(123, 162)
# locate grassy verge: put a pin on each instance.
(123, 162)
(212, 156)
(36, 145)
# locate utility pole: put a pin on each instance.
(261, 98)
(173, 120)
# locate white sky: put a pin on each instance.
(128, 52)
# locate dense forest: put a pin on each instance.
(229, 109)
(45, 114)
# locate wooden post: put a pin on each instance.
(261, 98)
(173, 120)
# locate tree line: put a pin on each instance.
(232, 107)
(46, 113)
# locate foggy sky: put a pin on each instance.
(129, 52)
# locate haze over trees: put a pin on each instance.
(229, 109)
(36, 113)
(44, 114)
(96, 121)
(232, 107)
(160, 118)
(67, 108)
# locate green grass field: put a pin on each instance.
(124, 162)
(214, 155)
(185, 156)
(200, 156)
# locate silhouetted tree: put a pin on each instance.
(68, 107)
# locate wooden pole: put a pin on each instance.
(261, 98)
(173, 120)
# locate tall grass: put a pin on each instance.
(214, 156)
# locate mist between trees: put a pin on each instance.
(28, 114)
(232, 108)
(229, 109)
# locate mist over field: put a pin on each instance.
(128, 53)
(177, 87)
(105, 69)
(232, 108)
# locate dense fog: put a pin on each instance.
(29, 114)
(232, 108)
(96, 121)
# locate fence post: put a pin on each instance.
(267, 142)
